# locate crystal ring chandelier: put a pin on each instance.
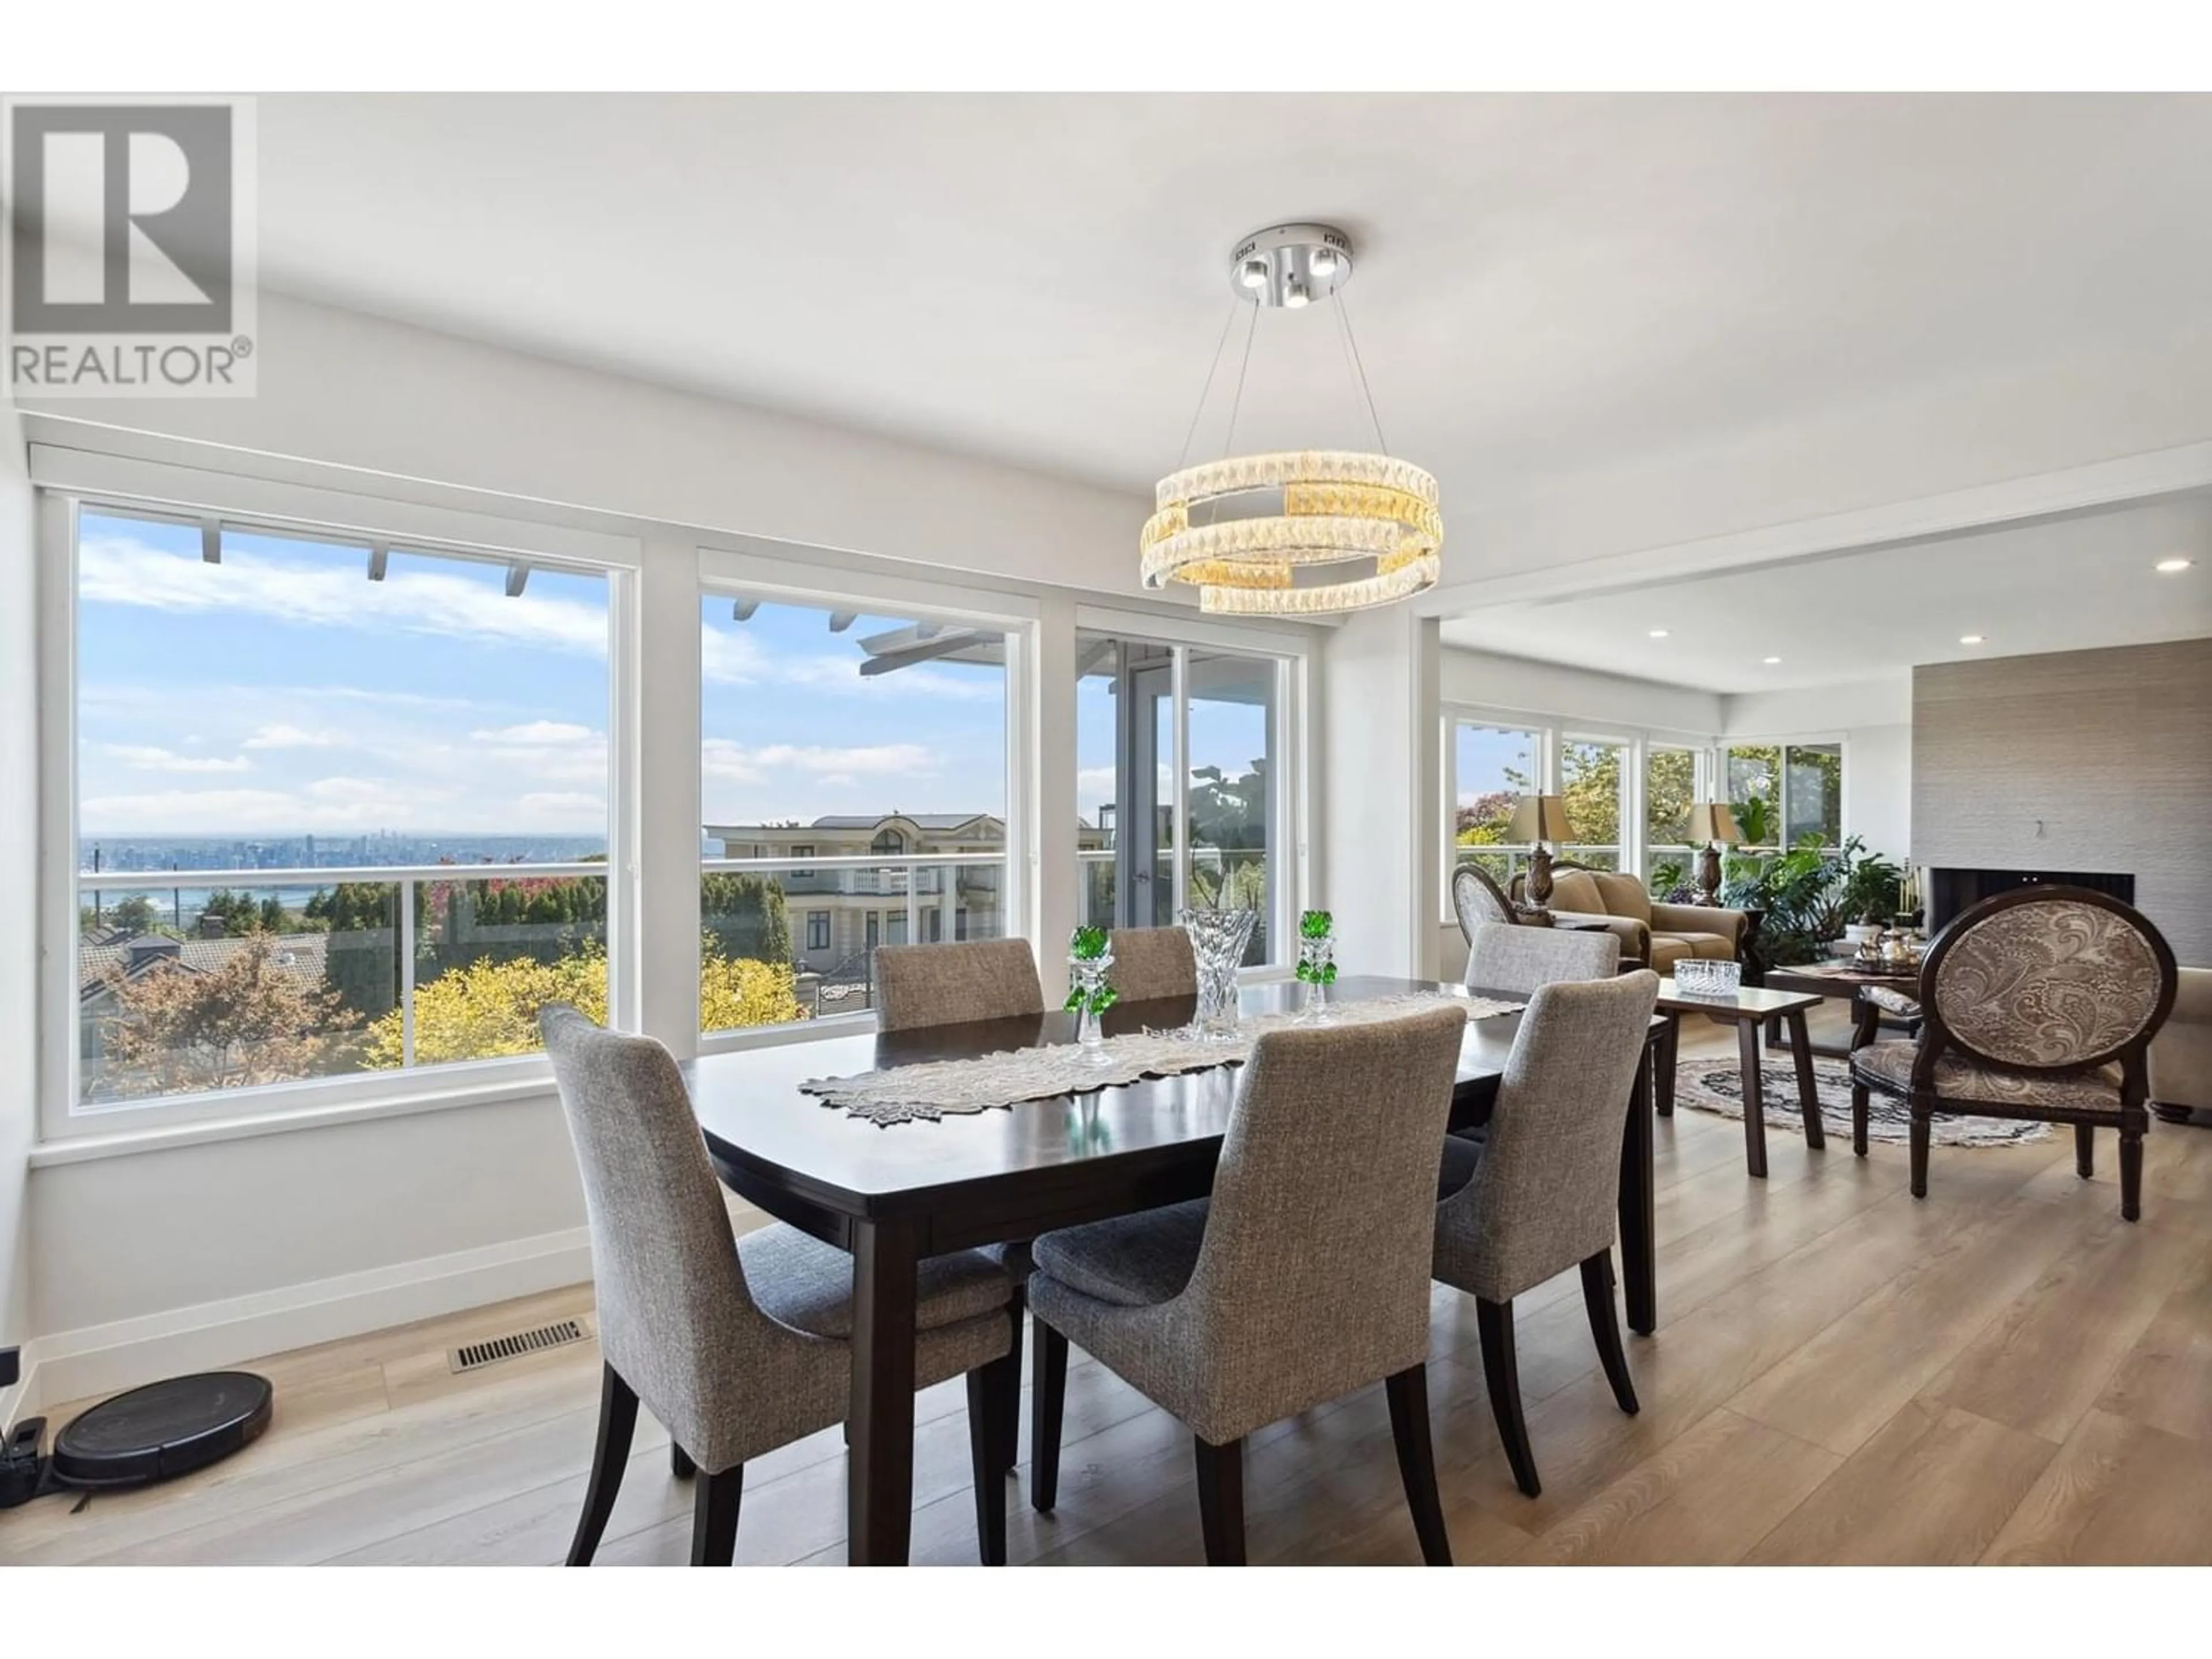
(1303, 532)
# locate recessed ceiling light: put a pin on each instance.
(1770, 661)
(2169, 566)
(1970, 639)
(1658, 632)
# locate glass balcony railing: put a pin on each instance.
(234, 979)
(823, 918)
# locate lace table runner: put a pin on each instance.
(933, 1089)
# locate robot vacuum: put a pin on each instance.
(163, 1431)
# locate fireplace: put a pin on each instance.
(1950, 891)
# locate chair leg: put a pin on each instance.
(1605, 1327)
(1009, 1433)
(1221, 1502)
(1859, 1111)
(618, 1422)
(679, 1462)
(988, 1387)
(715, 1517)
(1501, 1371)
(1047, 1395)
(1417, 1461)
(1924, 1125)
(2085, 1150)
(2132, 1126)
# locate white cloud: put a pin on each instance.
(283, 736)
(116, 569)
(325, 804)
(559, 809)
(536, 731)
(732, 657)
(722, 759)
(144, 758)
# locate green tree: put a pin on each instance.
(237, 912)
(361, 964)
(746, 917)
(1589, 784)
(135, 914)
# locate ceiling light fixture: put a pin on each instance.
(1770, 661)
(1303, 532)
(2167, 566)
(1970, 639)
(1658, 632)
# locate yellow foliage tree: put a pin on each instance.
(490, 1008)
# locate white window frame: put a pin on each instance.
(1289, 802)
(72, 482)
(1553, 732)
(783, 574)
(1841, 742)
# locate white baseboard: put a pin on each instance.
(106, 1359)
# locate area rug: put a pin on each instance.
(1717, 1086)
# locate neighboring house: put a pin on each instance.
(104, 960)
(839, 915)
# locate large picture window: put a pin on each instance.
(1493, 766)
(1150, 839)
(1593, 780)
(1784, 794)
(341, 806)
(852, 769)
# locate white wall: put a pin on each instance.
(349, 389)
(1484, 680)
(19, 846)
(1874, 720)
(1379, 752)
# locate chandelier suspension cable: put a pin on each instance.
(1235, 402)
(1359, 367)
(1206, 391)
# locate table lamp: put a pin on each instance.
(1713, 823)
(1538, 819)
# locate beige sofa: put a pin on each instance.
(2181, 1053)
(1659, 935)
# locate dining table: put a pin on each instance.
(894, 1195)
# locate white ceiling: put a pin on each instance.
(2061, 585)
(1544, 281)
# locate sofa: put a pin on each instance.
(1656, 934)
(2181, 1053)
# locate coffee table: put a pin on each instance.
(1747, 1009)
(1840, 977)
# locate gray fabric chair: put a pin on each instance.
(953, 984)
(1500, 958)
(1540, 1192)
(1153, 962)
(1303, 1277)
(1478, 901)
(737, 1348)
(2038, 1004)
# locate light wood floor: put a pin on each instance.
(2005, 1372)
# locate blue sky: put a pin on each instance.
(1483, 757)
(282, 692)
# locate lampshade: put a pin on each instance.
(1540, 818)
(1711, 821)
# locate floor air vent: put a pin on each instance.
(477, 1355)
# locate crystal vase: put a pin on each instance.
(1087, 980)
(1218, 939)
(1316, 968)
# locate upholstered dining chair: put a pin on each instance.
(738, 1347)
(2040, 1004)
(953, 984)
(1303, 1277)
(1537, 1196)
(922, 985)
(1477, 899)
(1519, 960)
(1153, 962)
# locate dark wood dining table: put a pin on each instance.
(894, 1195)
